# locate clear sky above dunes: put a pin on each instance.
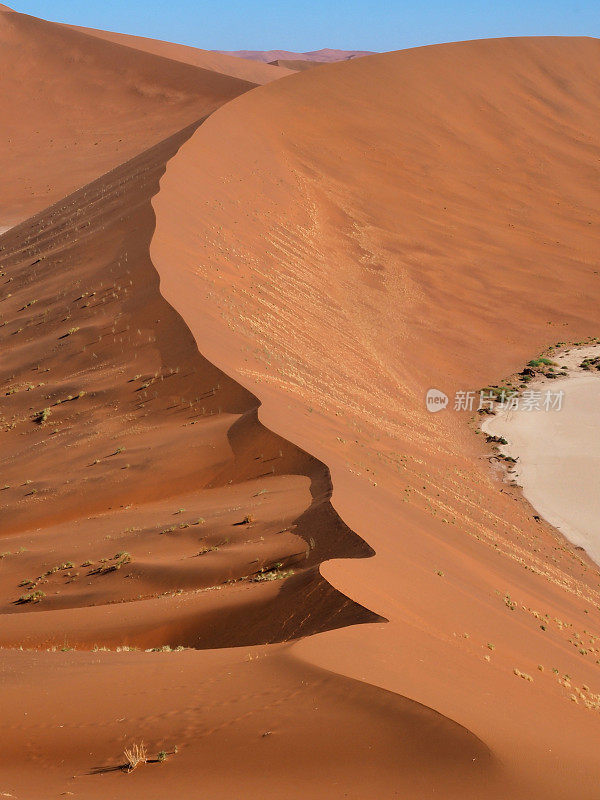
(312, 24)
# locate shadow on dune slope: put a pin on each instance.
(144, 503)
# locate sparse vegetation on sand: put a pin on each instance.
(590, 363)
(119, 560)
(540, 367)
(539, 362)
(31, 597)
(523, 675)
(70, 332)
(497, 393)
(135, 755)
(272, 573)
(42, 416)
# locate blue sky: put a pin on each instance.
(311, 24)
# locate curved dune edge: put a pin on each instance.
(221, 706)
(117, 103)
(257, 571)
(454, 737)
(235, 284)
(166, 95)
(455, 745)
(256, 72)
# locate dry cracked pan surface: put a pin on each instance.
(194, 244)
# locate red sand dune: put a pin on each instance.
(331, 250)
(80, 106)
(101, 375)
(145, 506)
(342, 241)
(246, 69)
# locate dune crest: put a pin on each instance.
(226, 64)
(145, 506)
(238, 527)
(97, 104)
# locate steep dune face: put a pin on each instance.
(76, 106)
(350, 237)
(254, 71)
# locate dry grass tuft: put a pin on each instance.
(135, 755)
(523, 675)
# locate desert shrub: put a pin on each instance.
(32, 597)
(135, 755)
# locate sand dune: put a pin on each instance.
(99, 374)
(241, 714)
(80, 106)
(438, 230)
(188, 245)
(246, 69)
(145, 506)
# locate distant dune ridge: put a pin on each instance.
(191, 235)
(247, 69)
(325, 56)
(81, 106)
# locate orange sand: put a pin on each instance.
(331, 244)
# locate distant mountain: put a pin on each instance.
(326, 55)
